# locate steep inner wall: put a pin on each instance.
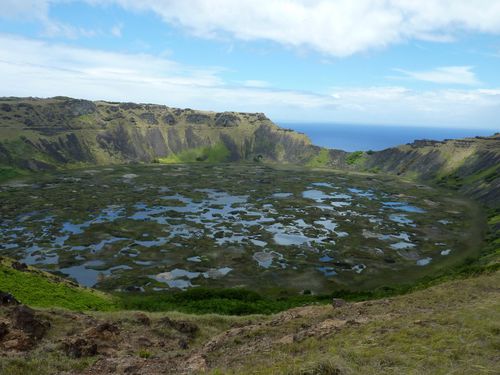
(44, 133)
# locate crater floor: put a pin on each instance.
(167, 227)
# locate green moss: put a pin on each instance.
(38, 289)
(320, 160)
(211, 154)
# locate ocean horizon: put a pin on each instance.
(356, 137)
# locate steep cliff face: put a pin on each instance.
(43, 133)
(470, 165)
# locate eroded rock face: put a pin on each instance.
(25, 319)
(81, 107)
(67, 131)
(149, 117)
(226, 119)
(197, 118)
(79, 347)
(169, 119)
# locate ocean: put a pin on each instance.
(376, 137)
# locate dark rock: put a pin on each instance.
(108, 327)
(149, 117)
(183, 344)
(4, 329)
(28, 122)
(25, 319)
(80, 107)
(338, 302)
(79, 347)
(127, 106)
(197, 118)
(262, 117)
(6, 107)
(226, 119)
(7, 299)
(18, 266)
(169, 119)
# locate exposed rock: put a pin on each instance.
(79, 347)
(149, 117)
(6, 107)
(24, 318)
(103, 331)
(338, 302)
(226, 119)
(127, 106)
(19, 342)
(7, 299)
(4, 329)
(80, 107)
(169, 119)
(197, 118)
(183, 344)
(19, 266)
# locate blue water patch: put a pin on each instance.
(327, 271)
(356, 137)
(403, 206)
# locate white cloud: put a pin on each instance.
(256, 83)
(34, 68)
(333, 27)
(461, 75)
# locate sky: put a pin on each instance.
(389, 62)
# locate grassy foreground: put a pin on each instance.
(451, 328)
(41, 289)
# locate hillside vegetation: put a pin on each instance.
(444, 324)
(42, 134)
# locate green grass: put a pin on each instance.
(449, 329)
(7, 173)
(356, 157)
(212, 154)
(320, 160)
(39, 289)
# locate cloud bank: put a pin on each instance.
(332, 27)
(31, 67)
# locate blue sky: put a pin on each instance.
(394, 62)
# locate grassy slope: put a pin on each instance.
(449, 328)
(40, 289)
(212, 154)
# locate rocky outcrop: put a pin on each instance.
(470, 165)
(50, 133)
